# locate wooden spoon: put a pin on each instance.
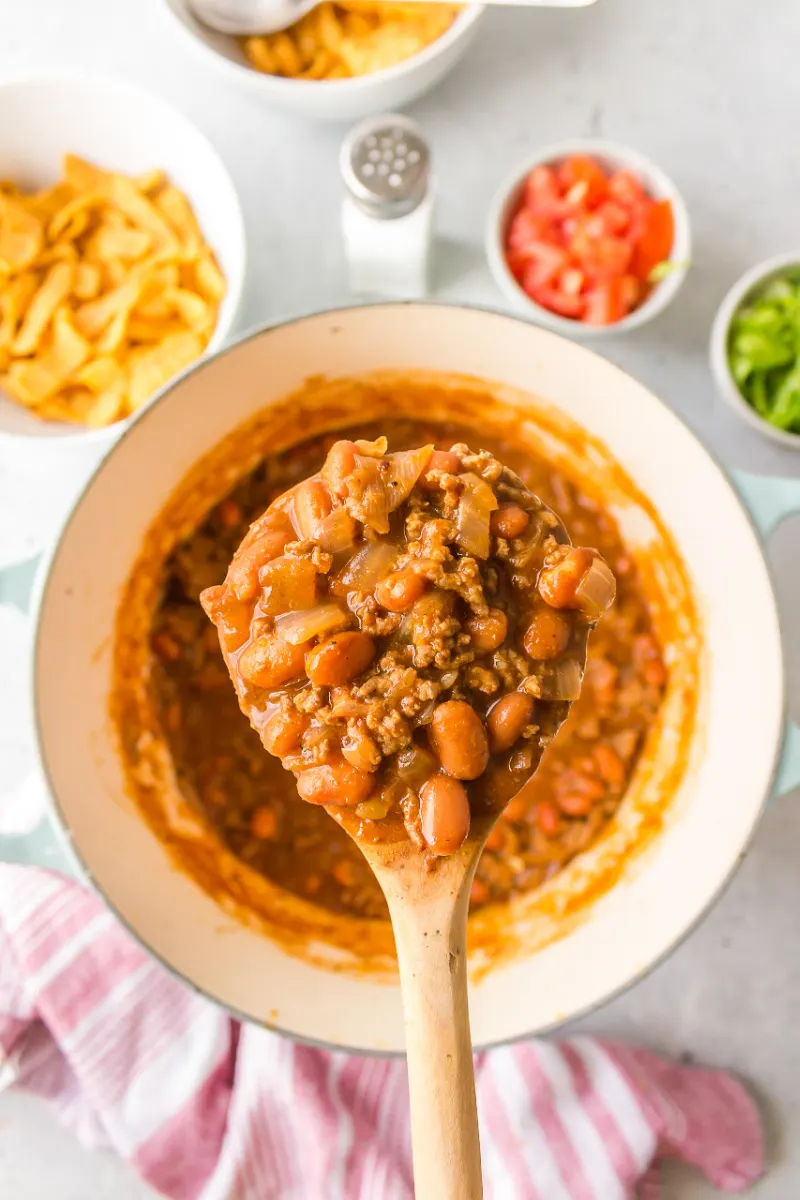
(427, 894)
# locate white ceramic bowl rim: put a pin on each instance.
(40, 597)
(626, 156)
(355, 83)
(748, 283)
(110, 433)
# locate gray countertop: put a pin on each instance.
(711, 91)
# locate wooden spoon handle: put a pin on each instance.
(432, 955)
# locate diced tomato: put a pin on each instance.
(584, 230)
(605, 303)
(517, 261)
(631, 292)
(654, 244)
(541, 188)
(583, 178)
(602, 257)
(558, 302)
(615, 217)
(527, 227)
(626, 188)
(545, 263)
(543, 195)
(571, 281)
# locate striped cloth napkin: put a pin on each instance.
(206, 1109)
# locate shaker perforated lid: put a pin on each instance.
(385, 163)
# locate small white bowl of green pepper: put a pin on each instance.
(755, 348)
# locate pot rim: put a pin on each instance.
(40, 597)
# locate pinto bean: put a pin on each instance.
(264, 823)
(488, 632)
(460, 740)
(560, 579)
(361, 750)
(336, 783)
(444, 814)
(548, 818)
(284, 731)
(575, 804)
(609, 764)
(400, 590)
(242, 577)
(547, 635)
(165, 646)
(344, 873)
(440, 460)
(508, 719)
(496, 839)
(269, 661)
(655, 673)
(340, 463)
(312, 504)
(340, 658)
(509, 521)
(230, 514)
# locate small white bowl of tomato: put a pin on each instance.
(589, 237)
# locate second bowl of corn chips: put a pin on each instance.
(121, 253)
(342, 61)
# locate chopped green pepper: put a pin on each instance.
(764, 351)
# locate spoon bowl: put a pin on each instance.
(245, 18)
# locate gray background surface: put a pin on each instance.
(710, 90)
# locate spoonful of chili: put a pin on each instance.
(406, 632)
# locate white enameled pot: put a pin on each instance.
(743, 753)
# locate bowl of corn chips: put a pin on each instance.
(342, 61)
(121, 254)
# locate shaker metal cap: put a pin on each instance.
(385, 163)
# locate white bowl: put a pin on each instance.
(334, 99)
(614, 157)
(121, 127)
(741, 291)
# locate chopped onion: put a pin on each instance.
(288, 585)
(373, 810)
(565, 681)
(348, 708)
(393, 792)
(522, 759)
(375, 449)
(405, 632)
(596, 591)
(476, 504)
(405, 468)
(370, 493)
(336, 532)
(379, 485)
(300, 627)
(416, 764)
(369, 566)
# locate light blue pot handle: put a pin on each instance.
(769, 500)
(44, 844)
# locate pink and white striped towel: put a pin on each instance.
(206, 1109)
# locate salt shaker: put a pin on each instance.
(387, 212)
